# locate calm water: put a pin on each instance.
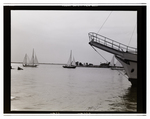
(53, 88)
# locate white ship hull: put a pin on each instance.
(130, 67)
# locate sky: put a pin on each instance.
(53, 34)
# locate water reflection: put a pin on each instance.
(130, 99)
(83, 89)
(127, 102)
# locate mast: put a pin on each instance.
(71, 57)
(33, 56)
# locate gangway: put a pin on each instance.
(110, 45)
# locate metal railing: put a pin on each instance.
(94, 37)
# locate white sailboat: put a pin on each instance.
(30, 63)
(117, 65)
(71, 63)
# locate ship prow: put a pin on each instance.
(126, 55)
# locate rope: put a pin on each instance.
(131, 35)
(104, 22)
(107, 61)
(99, 53)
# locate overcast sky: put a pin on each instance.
(53, 34)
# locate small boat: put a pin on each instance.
(30, 63)
(20, 68)
(105, 65)
(71, 63)
(11, 67)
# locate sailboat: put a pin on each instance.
(71, 63)
(30, 63)
(117, 65)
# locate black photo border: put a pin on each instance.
(141, 45)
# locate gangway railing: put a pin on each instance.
(94, 37)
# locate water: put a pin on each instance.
(54, 88)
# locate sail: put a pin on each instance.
(70, 59)
(112, 61)
(36, 60)
(118, 64)
(25, 59)
(30, 63)
(73, 62)
(32, 58)
(28, 60)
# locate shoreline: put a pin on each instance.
(90, 66)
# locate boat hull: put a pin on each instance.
(117, 68)
(71, 67)
(130, 67)
(20, 68)
(30, 65)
